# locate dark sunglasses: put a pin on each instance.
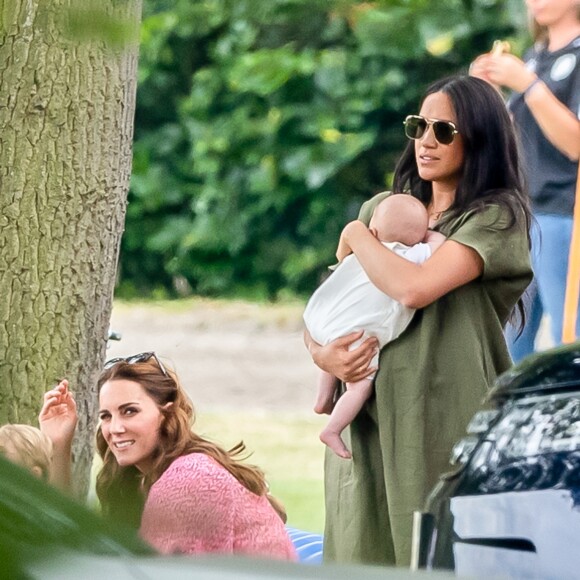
(137, 358)
(416, 126)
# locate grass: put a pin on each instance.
(287, 448)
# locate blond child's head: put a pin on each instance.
(27, 446)
(400, 218)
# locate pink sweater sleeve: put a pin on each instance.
(198, 507)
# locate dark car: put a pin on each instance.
(511, 508)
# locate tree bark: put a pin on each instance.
(66, 125)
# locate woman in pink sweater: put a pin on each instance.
(186, 494)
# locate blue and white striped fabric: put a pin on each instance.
(308, 545)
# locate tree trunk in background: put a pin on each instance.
(66, 125)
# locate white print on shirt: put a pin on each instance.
(563, 67)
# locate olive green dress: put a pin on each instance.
(430, 382)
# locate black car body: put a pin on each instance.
(512, 506)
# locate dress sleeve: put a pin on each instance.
(503, 249)
(190, 509)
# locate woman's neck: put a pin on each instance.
(442, 198)
(563, 32)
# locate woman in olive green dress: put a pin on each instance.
(462, 163)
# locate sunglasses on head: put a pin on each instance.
(137, 358)
(416, 126)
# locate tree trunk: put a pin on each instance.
(66, 124)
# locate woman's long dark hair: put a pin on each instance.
(491, 172)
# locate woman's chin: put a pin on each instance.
(123, 460)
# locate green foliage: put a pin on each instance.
(262, 126)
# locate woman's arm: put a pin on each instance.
(58, 420)
(560, 126)
(558, 123)
(414, 285)
(343, 250)
(338, 360)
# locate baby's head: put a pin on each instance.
(27, 446)
(400, 218)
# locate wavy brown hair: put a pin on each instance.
(122, 490)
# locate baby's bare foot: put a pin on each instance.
(333, 440)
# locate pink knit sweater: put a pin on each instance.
(198, 507)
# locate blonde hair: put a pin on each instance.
(540, 33)
(121, 490)
(28, 447)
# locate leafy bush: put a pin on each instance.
(262, 126)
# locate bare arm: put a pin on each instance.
(414, 285)
(343, 250)
(560, 125)
(58, 420)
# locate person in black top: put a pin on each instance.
(545, 107)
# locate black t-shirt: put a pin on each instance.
(551, 175)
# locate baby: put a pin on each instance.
(348, 301)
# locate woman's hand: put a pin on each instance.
(504, 70)
(509, 71)
(353, 229)
(356, 234)
(478, 69)
(336, 358)
(58, 416)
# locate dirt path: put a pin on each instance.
(229, 355)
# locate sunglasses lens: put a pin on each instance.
(415, 127)
(443, 132)
(112, 362)
(141, 357)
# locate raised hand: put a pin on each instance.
(58, 416)
(504, 70)
(509, 71)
